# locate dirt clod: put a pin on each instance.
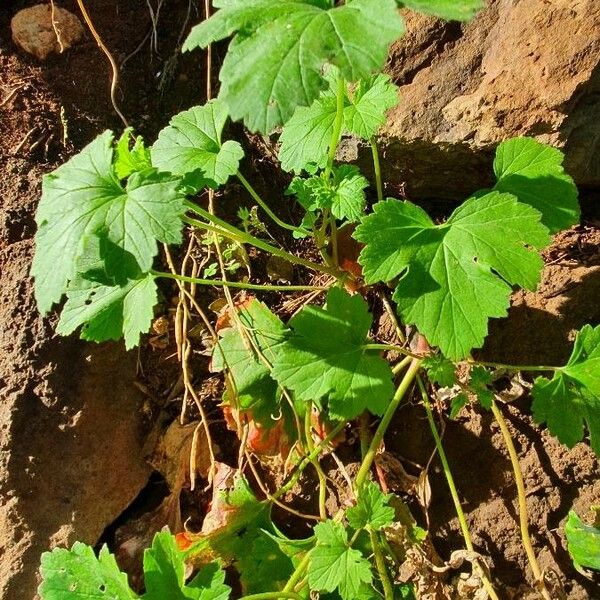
(44, 29)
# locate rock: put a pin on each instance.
(522, 67)
(41, 31)
(72, 431)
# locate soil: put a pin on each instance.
(35, 367)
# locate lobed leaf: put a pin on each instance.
(454, 276)
(191, 146)
(276, 60)
(334, 565)
(255, 389)
(368, 104)
(307, 134)
(324, 357)
(571, 399)
(84, 197)
(77, 574)
(109, 312)
(371, 510)
(165, 574)
(344, 195)
(440, 370)
(583, 542)
(129, 160)
(533, 172)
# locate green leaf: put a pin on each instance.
(583, 542)
(334, 565)
(129, 160)
(77, 574)
(84, 197)
(275, 62)
(572, 397)
(458, 403)
(440, 370)
(368, 105)
(191, 145)
(325, 357)
(263, 566)
(348, 200)
(457, 275)
(480, 379)
(533, 172)
(371, 510)
(254, 387)
(344, 195)
(451, 10)
(307, 134)
(164, 574)
(109, 312)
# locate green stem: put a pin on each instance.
(390, 347)
(334, 241)
(239, 284)
(451, 484)
(377, 167)
(322, 479)
(388, 590)
(365, 467)
(496, 365)
(298, 574)
(273, 595)
(521, 496)
(337, 126)
(266, 208)
(401, 365)
(246, 238)
(286, 487)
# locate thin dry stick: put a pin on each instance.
(61, 46)
(184, 350)
(115, 69)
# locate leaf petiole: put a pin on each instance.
(377, 168)
(336, 135)
(239, 284)
(453, 491)
(388, 590)
(256, 197)
(495, 365)
(245, 238)
(273, 596)
(365, 466)
(521, 497)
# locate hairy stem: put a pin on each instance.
(377, 168)
(365, 467)
(265, 207)
(245, 238)
(453, 491)
(239, 284)
(337, 126)
(388, 590)
(523, 518)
